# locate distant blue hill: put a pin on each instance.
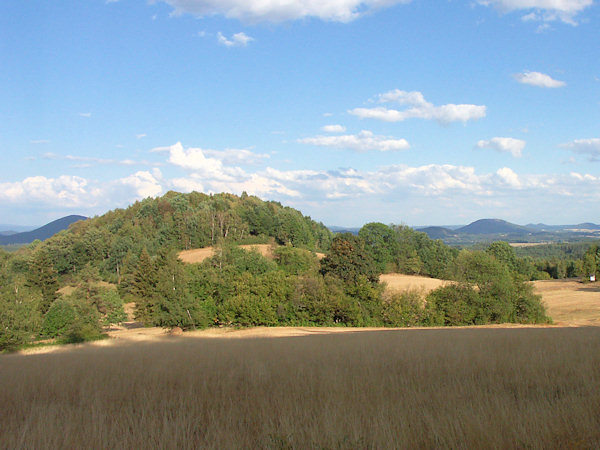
(41, 233)
(492, 226)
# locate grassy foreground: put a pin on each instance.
(455, 388)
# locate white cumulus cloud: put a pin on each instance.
(543, 10)
(419, 108)
(504, 144)
(237, 40)
(281, 10)
(361, 142)
(538, 79)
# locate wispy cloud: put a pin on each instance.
(237, 40)
(362, 142)
(333, 128)
(538, 79)
(281, 11)
(88, 161)
(504, 144)
(543, 10)
(87, 115)
(39, 141)
(419, 108)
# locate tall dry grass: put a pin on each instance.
(455, 388)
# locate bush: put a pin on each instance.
(19, 318)
(455, 304)
(403, 309)
(72, 319)
(59, 318)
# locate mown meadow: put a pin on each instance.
(436, 388)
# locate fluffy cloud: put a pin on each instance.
(589, 147)
(343, 195)
(64, 190)
(280, 11)
(361, 142)
(143, 183)
(419, 108)
(333, 129)
(504, 144)
(237, 40)
(538, 79)
(543, 10)
(233, 156)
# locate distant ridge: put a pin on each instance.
(492, 226)
(41, 233)
(437, 232)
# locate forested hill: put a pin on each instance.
(180, 221)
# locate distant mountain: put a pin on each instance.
(8, 233)
(41, 233)
(437, 232)
(579, 226)
(585, 226)
(492, 226)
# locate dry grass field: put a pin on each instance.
(198, 255)
(450, 388)
(571, 302)
(397, 282)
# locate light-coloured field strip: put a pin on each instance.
(397, 282)
(571, 302)
(197, 255)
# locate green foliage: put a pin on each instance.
(452, 305)
(20, 319)
(380, 242)
(113, 306)
(503, 253)
(72, 319)
(59, 318)
(348, 259)
(41, 274)
(591, 261)
(403, 309)
(296, 261)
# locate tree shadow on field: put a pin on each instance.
(132, 325)
(590, 287)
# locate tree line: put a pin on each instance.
(74, 284)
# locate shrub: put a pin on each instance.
(403, 309)
(454, 304)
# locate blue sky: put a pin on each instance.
(401, 111)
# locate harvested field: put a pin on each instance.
(397, 282)
(436, 388)
(571, 302)
(198, 255)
